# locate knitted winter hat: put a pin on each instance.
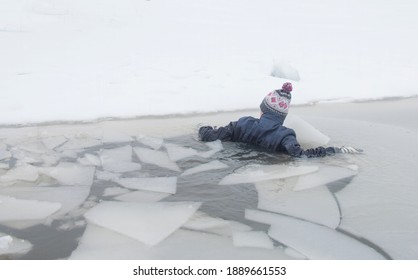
(278, 101)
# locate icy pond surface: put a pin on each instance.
(120, 196)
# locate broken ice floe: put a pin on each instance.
(70, 174)
(90, 160)
(158, 158)
(113, 191)
(4, 152)
(176, 152)
(256, 173)
(106, 175)
(312, 240)
(119, 160)
(316, 205)
(13, 209)
(78, 144)
(53, 142)
(156, 184)
(152, 142)
(100, 243)
(69, 198)
(308, 136)
(325, 175)
(24, 172)
(256, 239)
(203, 222)
(213, 165)
(214, 146)
(10, 245)
(115, 137)
(149, 223)
(142, 196)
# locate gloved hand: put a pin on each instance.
(348, 150)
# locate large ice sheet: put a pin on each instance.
(10, 245)
(312, 240)
(100, 243)
(156, 184)
(24, 172)
(142, 196)
(325, 175)
(71, 174)
(158, 158)
(119, 160)
(115, 137)
(176, 152)
(316, 205)
(79, 144)
(149, 223)
(257, 239)
(257, 173)
(213, 165)
(13, 209)
(68, 197)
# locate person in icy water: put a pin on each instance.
(268, 131)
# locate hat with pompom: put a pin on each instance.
(278, 101)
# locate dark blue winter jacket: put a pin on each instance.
(267, 132)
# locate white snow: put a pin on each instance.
(156, 184)
(313, 241)
(149, 223)
(257, 239)
(142, 196)
(158, 158)
(256, 173)
(213, 165)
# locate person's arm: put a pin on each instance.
(224, 133)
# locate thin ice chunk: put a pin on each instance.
(325, 175)
(90, 160)
(156, 184)
(115, 137)
(53, 142)
(10, 245)
(312, 240)
(204, 222)
(158, 158)
(308, 136)
(113, 191)
(176, 152)
(4, 165)
(4, 153)
(71, 175)
(152, 142)
(214, 146)
(79, 144)
(257, 239)
(36, 147)
(258, 173)
(100, 243)
(119, 160)
(142, 196)
(149, 223)
(106, 175)
(13, 209)
(317, 205)
(25, 172)
(213, 165)
(69, 197)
